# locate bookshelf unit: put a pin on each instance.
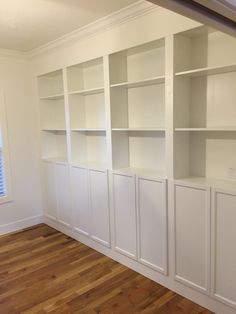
(204, 104)
(130, 130)
(137, 89)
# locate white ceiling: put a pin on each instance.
(28, 24)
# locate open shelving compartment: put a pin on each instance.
(89, 149)
(50, 85)
(54, 146)
(204, 107)
(138, 66)
(140, 152)
(86, 77)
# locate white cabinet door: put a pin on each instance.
(49, 189)
(99, 196)
(192, 235)
(224, 247)
(152, 218)
(125, 214)
(80, 200)
(63, 194)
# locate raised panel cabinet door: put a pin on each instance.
(223, 246)
(49, 189)
(125, 214)
(152, 218)
(63, 194)
(192, 235)
(99, 195)
(80, 200)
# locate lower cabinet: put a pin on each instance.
(57, 192)
(152, 223)
(192, 235)
(125, 219)
(63, 194)
(223, 246)
(80, 200)
(99, 195)
(90, 203)
(141, 219)
(49, 190)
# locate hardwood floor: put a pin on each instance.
(43, 271)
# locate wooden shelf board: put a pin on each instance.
(208, 71)
(224, 184)
(93, 165)
(88, 130)
(91, 91)
(208, 129)
(139, 129)
(150, 173)
(57, 160)
(52, 97)
(53, 130)
(146, 82)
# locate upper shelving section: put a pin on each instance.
(204, 51)
(139, 66)
(50, 86)
(86, 78)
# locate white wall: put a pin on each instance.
(16, 84)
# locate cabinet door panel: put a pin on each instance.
(50, 194)
(192, 236)
(63, 194)
(152, 223)
(125, 214)
(100, 206)
(224, 250)
(80, 200)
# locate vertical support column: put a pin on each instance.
(169, 99)
(67, 114)
(108, 110)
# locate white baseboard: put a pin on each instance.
(20, 224)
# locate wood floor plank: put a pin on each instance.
(43, 271)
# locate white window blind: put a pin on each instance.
(2, 175)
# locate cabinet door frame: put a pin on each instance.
(204, 289)
(162, 270)
(116, 247)
(216, 296)
(63, 223)
(45, 162)
(76, 229)
(95, 238)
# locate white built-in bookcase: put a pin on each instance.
(114, 112)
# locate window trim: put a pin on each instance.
(8, 197)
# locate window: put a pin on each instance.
(5, 175)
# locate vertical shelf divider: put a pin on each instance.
(67, 114)
(108, 110)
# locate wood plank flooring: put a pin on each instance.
(44, 271)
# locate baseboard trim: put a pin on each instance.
(20, 224)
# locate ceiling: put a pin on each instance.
(28, 24)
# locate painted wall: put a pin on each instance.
(16, 84)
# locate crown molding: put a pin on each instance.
(13, 53)
(124, 15)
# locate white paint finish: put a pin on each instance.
(63, 194)
(99, 196)
(49, 189)
(80, 200)
(192, 235)
(125, 214)
(223, 248)
(26, 25)
(152, 217)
